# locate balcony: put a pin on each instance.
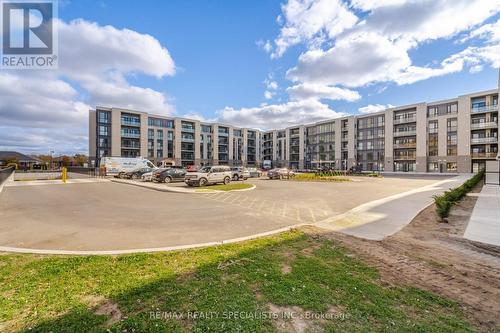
(404, 120)
(484, 125)
(187, 129)
(485, 140)
(405, 133)
(187, 139)
(405, 145)
(405, 157)
(131, 146)
(130, 135)
(484, 155)
(487, 108)
(131, 123)
(223, 133)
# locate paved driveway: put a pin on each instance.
(111, 216)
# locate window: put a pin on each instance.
(103, 130)
(451, 166)
(432, 167)
(104, 117)
(151, 134)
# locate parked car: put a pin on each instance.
(209, 175)
(254, 172)
(168, 175)
(240, 173)
(136, 174)
(147, 177)
(280, 173)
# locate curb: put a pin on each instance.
(150, 250)
(206, 190)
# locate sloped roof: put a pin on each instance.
(6, 155)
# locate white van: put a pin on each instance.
(116, 165)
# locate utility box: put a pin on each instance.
(492, 175)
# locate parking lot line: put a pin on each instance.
(312, 215)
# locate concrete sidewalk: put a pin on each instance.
(378, 219)
(18, 183)
(484, 224)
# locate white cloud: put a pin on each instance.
(353, 62)
(87, 48)
(278, 115)
(269, 94)
(311, 21)
(377, 47)
(371, 108)
(318, 91)
(418, 21)
(490, 32)
(265, 45)
(42, 108)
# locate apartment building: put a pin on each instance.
(126, 133)
(454, 135)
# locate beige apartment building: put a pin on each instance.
(453, 135)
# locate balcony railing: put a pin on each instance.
(488, 139)
(130, 135)
(187, 129)
(405, 133)
(131, 123)
(484, 155)
(490, 124)
(405, 145)
(487, 108)
(131, 146)
(405, 120)
(405, 157)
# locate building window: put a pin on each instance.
(433, 167)
(451, 166)
(103, 130)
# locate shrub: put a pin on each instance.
(449, 198)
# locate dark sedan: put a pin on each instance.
(136, 174)
(169, 175)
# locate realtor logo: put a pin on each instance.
(29, 39)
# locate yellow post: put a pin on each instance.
(64, 174)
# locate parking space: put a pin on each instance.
(111, 216)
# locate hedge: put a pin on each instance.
(449, 198)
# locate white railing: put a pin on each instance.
(483, 125)
(487, 108)
(490, 139)
(403, 133)
(405, 120)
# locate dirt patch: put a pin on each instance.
(103, 307)
(434, 256)
(309, 251)
(286, 269)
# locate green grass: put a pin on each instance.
(52, 293)
(222, 187)
(308, 177)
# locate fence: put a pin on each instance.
(91, 172)
(5, 174)
(492, 173)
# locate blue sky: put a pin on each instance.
(264, 64)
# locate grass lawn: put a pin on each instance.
(207, 288)
(307, 177)
(222, 187)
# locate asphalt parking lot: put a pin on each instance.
(110, 216)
